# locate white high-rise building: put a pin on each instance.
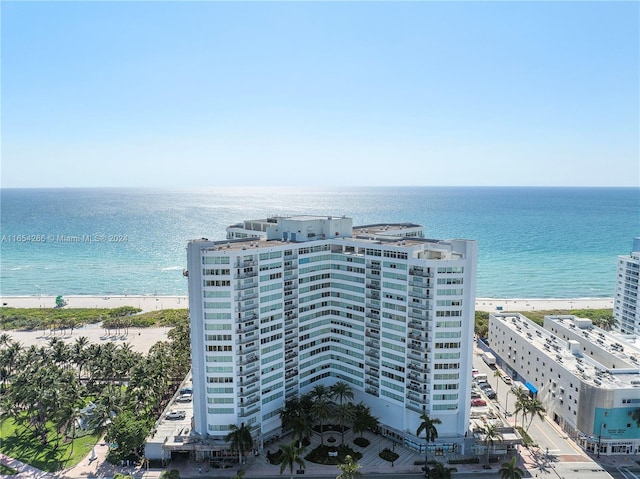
(626, 308)
(313, 300)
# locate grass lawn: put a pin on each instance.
(18, 443)
(7, 471)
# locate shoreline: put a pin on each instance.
(155, 303)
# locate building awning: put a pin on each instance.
(531, 387)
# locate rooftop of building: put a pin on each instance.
(569, 353)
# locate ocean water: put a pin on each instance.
(532, 242)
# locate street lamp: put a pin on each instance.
(506, 404)
(600, 437)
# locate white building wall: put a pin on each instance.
(299, 314)
(627, 300)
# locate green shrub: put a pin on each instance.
(389, 455)
(361, 441)
(469, 460)
(320, 455)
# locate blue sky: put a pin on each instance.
(323, 93)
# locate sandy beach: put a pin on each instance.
(142, 339)
(146, 303)
(153, 303)
(513, 304)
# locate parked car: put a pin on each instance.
(507, 379)
(478, 402)
(176, 415)
(484, 386)
(186, 390)
(475, 395)
(187, 397)
(490, 393)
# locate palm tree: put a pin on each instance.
(300, 428)
(510, 470)
(345, 414)
(606, 322)
(349, 468)
(534, 408)
(341, 391)
(520, 405)
(439, 471)
(291, 455)
(636, 416)
(490, 434)
(428, 425)
(240, 439)
(498, 375)
(79, 353)
(322, 409)
(363, 420)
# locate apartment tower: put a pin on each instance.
(292, 302)
(627, 301)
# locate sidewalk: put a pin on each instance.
(24, 470)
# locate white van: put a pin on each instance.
(480, 378)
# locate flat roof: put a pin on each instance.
(585, 367)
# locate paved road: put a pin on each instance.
(557, 456)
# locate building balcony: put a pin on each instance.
(416, 388)
(372, 382)
(418, 272)
(417, 325)
(371, 362)
(245, 297)
(291, 363)
(373, 344)
(416, 356)
(417, 377)
(290, 287)
(371, 390)
(373, 333)
(288, 307)
(373, 353)
(246, 329)
(243, 275)
(416, 336)
(374, 266)
(246, 307)
(291, 381)
(373, 304)
(373, 284)
(249, 369)
(415, 406)
(247, 339)
(290, 275)
(248, 349)
(421, 368)
(375, 317)
(246, 264)
(373, 372)
(247, 360)
(252, 388)
(249, 411)
(290, 344)
(291, 374)
(417, 347)
(373, 294)
(418, 294)
(252, 284)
